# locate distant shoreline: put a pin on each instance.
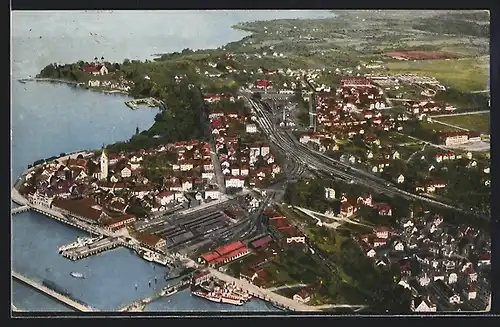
(76, 84)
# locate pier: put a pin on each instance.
(16, 309)
(92, 249)
(150, 102)
(63, 298)
(19, 210)
(139, 304)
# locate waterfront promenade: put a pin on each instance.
(64, 299)
(277, 299)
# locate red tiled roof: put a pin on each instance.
(150, 239)
(81, 208)
(91, 68)
(263, 83)
(118, 219)
(210, 256)
(228, 248)
(279, 222)
(262, 241)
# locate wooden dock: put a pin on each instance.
(106, 244)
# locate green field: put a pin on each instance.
(467, 74)
(478, 123)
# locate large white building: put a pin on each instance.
(104, 165)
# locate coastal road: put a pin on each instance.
(449, 125)
(273, 297)
(279, 288)
(317, 161)
(478, 112)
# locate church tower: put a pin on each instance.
(104, 165)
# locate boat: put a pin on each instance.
(77, 275)
(147, 255)
(161, 259)
(231, 300)
(80, 242)
(168, 291)
(208, 296)
(220, 297)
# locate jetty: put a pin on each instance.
(139, 304)
(21, 209)
(92, 249)
(61, 297)
(150, 102)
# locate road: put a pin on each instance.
(478, 112)
(279, 288)
(276, 298)
(317, 161)
(338, 220)
(449, 125)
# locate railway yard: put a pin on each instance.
(188, 232)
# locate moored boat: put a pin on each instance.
(77, 275)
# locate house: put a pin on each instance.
(303, 296)
(423, 304)
(152, 241)
(126, 172)
(454, 138)
(212, 194)
(165, 197)
(383, 232)
(346, 209)
(329, 193)
(398, 246)
(116, 223)
(484, 260)
(384, 209)
(371, 253)
(251, 128)
(95, 69)
(94, 83)
(471, 291)
(452, 278)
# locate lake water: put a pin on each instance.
(49, 119)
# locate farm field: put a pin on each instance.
(478, 123)
(466, 75)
